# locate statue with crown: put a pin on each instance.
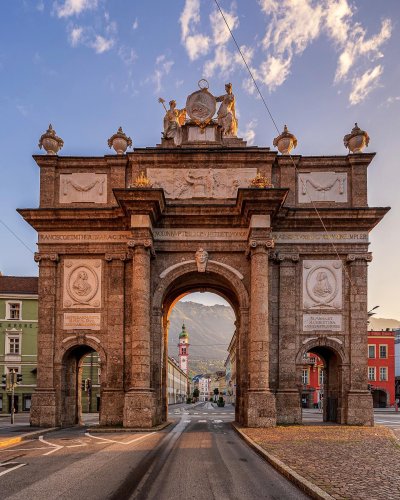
(197, 123)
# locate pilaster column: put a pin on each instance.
(112, 389)
(140, 404)
(287, 398)
(44, 404)
(359, 401)
(261, 411)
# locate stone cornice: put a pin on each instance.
(140, 201)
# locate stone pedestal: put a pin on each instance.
(44, 411)
(288, 410)
(359, 408)
(112, 407)
(139, 409)
(261, 410)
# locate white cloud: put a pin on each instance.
(101, 44)
(75, 36)
(249, 133)
(219, 29)
(162, 68)
(392, 99)
(74, 7)
(274, 71)
(127, 55)
(363, 85)
(135, 24)
(196, 44)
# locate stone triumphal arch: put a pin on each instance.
(122, 237)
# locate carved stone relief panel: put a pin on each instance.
(83, 188)
(82, 283)
(201, 182)
(322, 186)
(322, 284)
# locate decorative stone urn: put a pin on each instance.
(50, 142)
(285, 142)
(357, 140)
(120, 142)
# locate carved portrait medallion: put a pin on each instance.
(82, 283)
(201, 106)
(322, 284)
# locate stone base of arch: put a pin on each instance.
(112, 407)
(140, 409)
(259, 409)
(359, 409)
(288, 409)
(44, 408)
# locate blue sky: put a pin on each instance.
(89, 66)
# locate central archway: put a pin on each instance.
(178, 281)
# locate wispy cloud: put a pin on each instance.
(75, 35)
(101, 44)
(127, 55)
(162, 67)
(363, 85)
(291, 27)
(135, 24)
(249, 133)
(74, 7)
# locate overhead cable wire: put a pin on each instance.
(16, 236)
(277, 129)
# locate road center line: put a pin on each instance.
(120, 442)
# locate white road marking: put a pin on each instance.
(187, 421)
(76, 445)
(205, 413)
(120, 442)
(17, 466)
(217, 421)
(196, 413)
(202, 421)
(23, 449)
(55, 447)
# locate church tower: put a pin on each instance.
(183, 349)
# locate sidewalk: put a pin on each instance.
(345, 462)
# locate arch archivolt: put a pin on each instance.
(78, 340)
(231, 277)
(333, 344)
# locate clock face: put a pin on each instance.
(183, 360)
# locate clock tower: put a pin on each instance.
(183, 349)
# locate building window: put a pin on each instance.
(321, 376)
(13, 345)
(383, 351)
(371, 352)
(304, 377)
(14, 310)
(26, 401)
(371, 373)
(383, 375)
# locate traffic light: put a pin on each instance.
(88, 384)
(19, 378)
(4, 381)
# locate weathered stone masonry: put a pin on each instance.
(113, 260)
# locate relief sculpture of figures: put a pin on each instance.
(173, 120)
(322, 288)
(226, 114)
(81, 285)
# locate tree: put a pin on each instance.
(196, 393)
(216, 392)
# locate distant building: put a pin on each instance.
(230, 371)
(381, 367)
(312, 381)
(183, 349)
(178, 383)
(204, 387)
(18, 338)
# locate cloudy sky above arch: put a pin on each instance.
(89, 66)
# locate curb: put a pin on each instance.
(25, 437)
(303, 484)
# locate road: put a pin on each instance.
(200, 458)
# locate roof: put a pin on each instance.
(24, 285)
